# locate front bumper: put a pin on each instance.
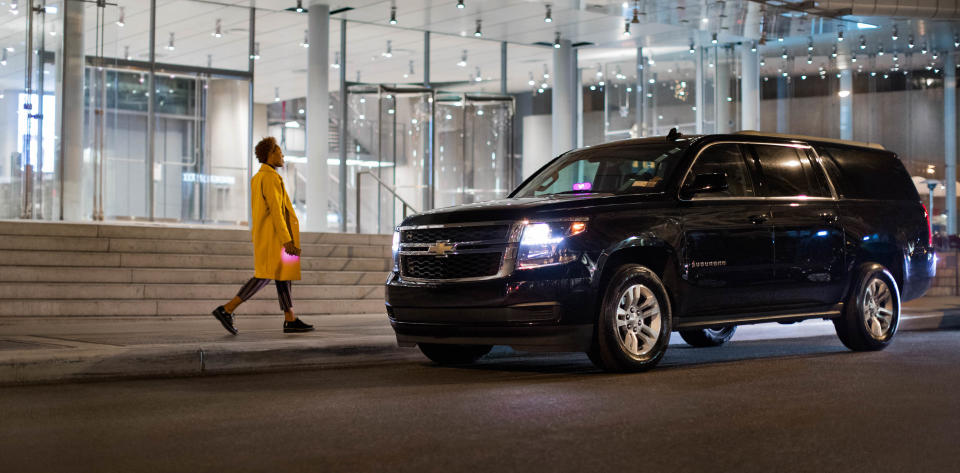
(550, 309)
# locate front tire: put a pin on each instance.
(635, 320)
(454, 354)
(871, 314)
(708, 337)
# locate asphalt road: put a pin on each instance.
(768, 406)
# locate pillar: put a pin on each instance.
(564, 118)
(846, 104)
(722, 64)
(318, 116)
(70, 116)
(783, 104)
(749, 89)
(950, 138)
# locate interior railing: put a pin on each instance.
(384, 186)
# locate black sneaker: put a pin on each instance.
(296, 326)
(225, 318)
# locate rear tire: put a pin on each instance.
(708, 337)
(871, 314)
(454, 354)
(635, 320)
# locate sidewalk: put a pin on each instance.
(61, 349)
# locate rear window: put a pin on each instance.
(867, 174)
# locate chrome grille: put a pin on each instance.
(470, 233)
(459, 252)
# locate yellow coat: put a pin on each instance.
(274, 223)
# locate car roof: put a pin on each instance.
(742, 133)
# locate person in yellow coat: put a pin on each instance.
(276, 240)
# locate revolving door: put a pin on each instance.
(421, 149)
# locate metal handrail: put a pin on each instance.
(389, 189)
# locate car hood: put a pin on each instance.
(525, 208)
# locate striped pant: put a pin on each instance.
(255, 284)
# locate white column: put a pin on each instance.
(783, 105)
(70, 114)
(846, 104)
(318, 116)
(950, 139)
(700, 86)
(564, 121)
(722, 63)
(749, 89)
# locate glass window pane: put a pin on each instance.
(726, 159)
(784, 173)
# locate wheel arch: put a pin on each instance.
(653, 253)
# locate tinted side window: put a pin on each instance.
(725, 158)
(787, 172)
(869, 174)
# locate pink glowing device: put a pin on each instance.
(582, 186)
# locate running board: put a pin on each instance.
(724, 321)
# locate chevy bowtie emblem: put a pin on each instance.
(440, 248)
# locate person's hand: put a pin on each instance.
(291, 249)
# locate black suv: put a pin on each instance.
(608, 249)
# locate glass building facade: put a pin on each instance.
(148, 110)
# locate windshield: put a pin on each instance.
(608, 170)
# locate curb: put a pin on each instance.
(185, 361)
(930, 320)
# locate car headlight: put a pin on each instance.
(395, 250)
(543, 243)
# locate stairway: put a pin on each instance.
(67, 269)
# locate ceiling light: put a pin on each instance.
(306, 39)
(336, 60)
(810, 44)
(531, 82)
(477, 33)
(895, 58)
(460, 4)
(10, 49)
(276, 94)
(880, 50)
(393, 15)
(217, 32)
(636, 13)
(410, 68)
(389, 52)
(753, 47)
(839, 36)
(934, 56)
(463, 59)
(548, 17)
(170, 45)
(779, 38)
(626, 29)
(809, 59)
(256, 51)
(783, 53)
(556, 40)
(910, 42)
(209, 61)
(956, 41)
(763, 62)
(599, 70)
(126, 52)
(704, 20)
(894, 36)
(923, 49)
(546, 72)
(478, 78)
(3, 58)
(299, 8)
(120, 21)
(833, 52)
(693, 49)
(713, 38)
(14, 6)
(853, 58)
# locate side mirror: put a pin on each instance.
(706, 183)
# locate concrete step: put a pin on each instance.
(156, 260)
(142, 245)
(45, 274)
(941, 291)
(171, 232)
(88, 291)
(141, 308)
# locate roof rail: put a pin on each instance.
(811, 138)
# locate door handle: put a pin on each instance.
(758, 219)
